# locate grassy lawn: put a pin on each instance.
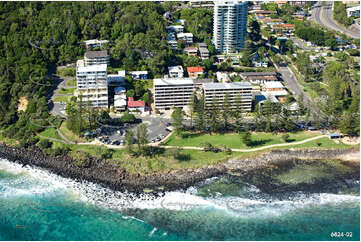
(66, 91)
(61, 99)
(70, 135)
(162, 161)
(71, 82)
(51, 133)
(233, 140)
(324, 143)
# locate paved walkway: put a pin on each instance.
(254, 149)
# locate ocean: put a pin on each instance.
(38, 205)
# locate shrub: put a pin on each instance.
(44, 144)
(107, 154)
(285, 137)
(82, 159)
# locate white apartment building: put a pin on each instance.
(176, 92)
(92, 85)
(237, 91)
(96, 58)
(230, 25)
(172, 92)
(175, 71)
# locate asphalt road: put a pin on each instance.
(296, 89)
(323, 16)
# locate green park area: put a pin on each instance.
(71, 82)
(234, 140)
(66, 91)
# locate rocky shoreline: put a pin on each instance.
(115, 178)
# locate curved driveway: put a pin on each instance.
(323, 16)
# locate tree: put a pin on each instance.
(226, 112)
(130, 93)
(237, 114)
(177, 117)
(332, 43)
(192, 107)
(213, 116)
(142, 138)
(129, 139)
(200, 113)
(247, 53)
(246, 138)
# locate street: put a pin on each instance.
(323, 16)
(296, 89)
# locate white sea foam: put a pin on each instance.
(259, 204)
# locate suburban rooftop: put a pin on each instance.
(96, 54)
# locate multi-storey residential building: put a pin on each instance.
(176, 92)
(120, 99)
(172, 92)
(240, 95)
(92, 84)
(230, 25)
(96, 58)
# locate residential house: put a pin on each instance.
(175, 28)
(175, 71)
(203, 50)
(283, 28)
(223, 77)
(191, 51)
(276, 89)
(187, 37)
(195, 71)
(93, 43)
(140, 75)
(353, 12)
(136, 106)
(259, 77)
(181, 21)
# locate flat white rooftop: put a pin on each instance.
(232, 85)
(175, 68)
(95, 41)
(273, 84)
(139, 72)
(181, 35)
(172, 81)
(92, 68)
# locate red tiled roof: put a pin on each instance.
(134, 104)
(194, 69)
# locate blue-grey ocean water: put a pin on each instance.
(37, 205)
